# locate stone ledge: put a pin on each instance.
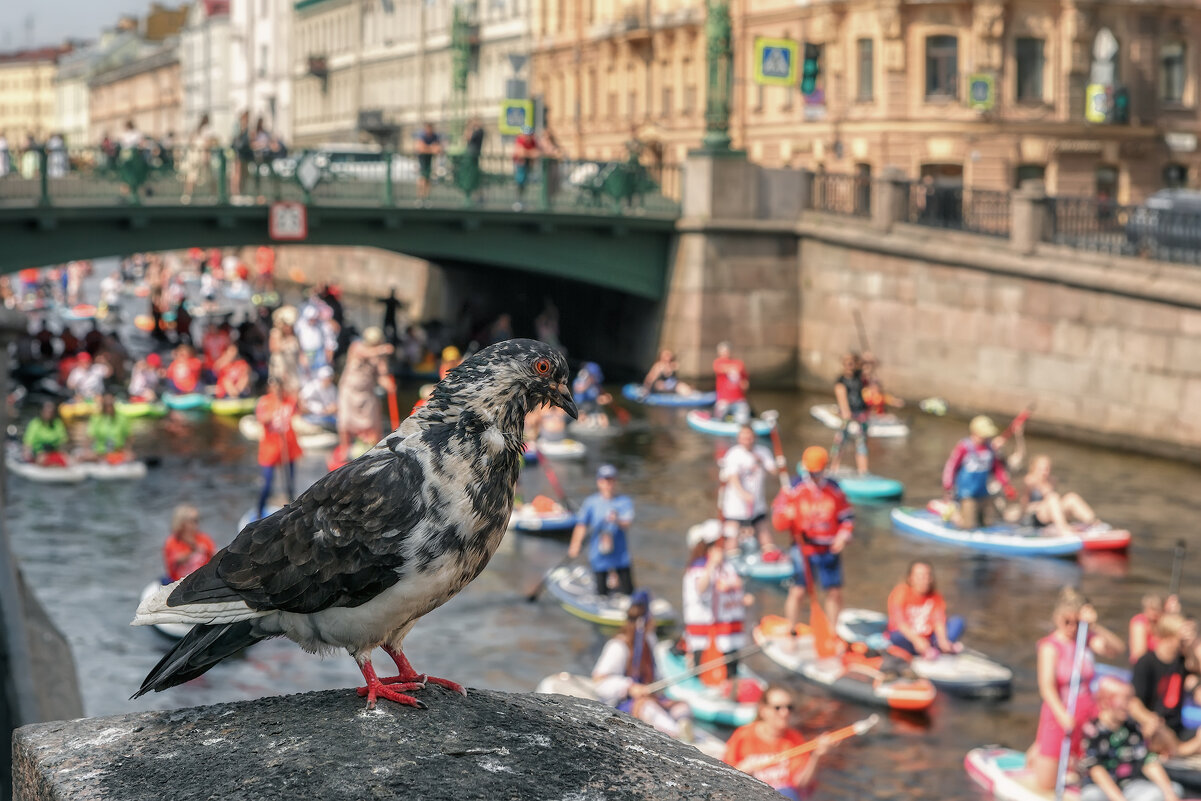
(325, 745)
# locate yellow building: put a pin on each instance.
(146, 91)
(980, 94)
(27, 94)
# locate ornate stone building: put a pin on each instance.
(27, 93)
(261, 62)
(376, 71)
(147, 91)
(902, 84)
(205, 50)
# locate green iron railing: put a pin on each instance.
(217, 177)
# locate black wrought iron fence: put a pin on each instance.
(1101, 225)
(977, 211)
(842, 194)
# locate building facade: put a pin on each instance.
(981, 94)
(376, 72)
(204, 67)
(146, 91)
(261, 62)
(27, 94)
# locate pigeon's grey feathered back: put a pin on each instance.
(373, 546)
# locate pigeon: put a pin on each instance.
(370, 548)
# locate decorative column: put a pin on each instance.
(720, 61)
(460, 50)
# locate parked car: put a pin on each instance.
(353, 162)
(1170, 219)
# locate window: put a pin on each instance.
(866, 70)
(1029, 172)
(1029, 54)
(262, 61)
(1107, 182)
(1171, 72)
(667, 101)
(631, 103)
(1175, 176)
(942, 66)
(690, 98)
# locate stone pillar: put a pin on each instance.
(1031, 216)
(890, 199)
(806, 189)
(729, 279)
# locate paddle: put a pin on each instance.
(553, 479)
(1177, 567)
(393, 410)
(716, 674)
(773, 417)
(704, 666)
(1022, 417)
(1073, 694)
(836, 736)
(862, 333)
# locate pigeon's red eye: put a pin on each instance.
(542, 366)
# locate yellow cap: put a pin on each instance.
(982, 426)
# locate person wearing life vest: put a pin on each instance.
(966, 474)
(279, 446)
(820, 519)
(187, 548)
(109, 433)
(46, 438)
(183, 374)
(714, 600)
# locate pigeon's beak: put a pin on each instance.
(564, 400)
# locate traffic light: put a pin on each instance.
(1121, 106)
(811, 68)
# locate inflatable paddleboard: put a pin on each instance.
(635, 393)
(140, 408)
(968, 674)
(708, 702)
(73, 410)
(573, 587)
(233, 406)
(850, 676)
(704, 422)
(886, 425)
(125, 471)
(863, 488)
(527, 518)
(71, 474)
(561, 449)
(318, 439)
(1007, 539)
(753, 566)
(192, 401)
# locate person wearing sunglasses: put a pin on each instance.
(754, 748)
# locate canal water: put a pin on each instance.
(89, 550)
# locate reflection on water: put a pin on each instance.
(88, 551)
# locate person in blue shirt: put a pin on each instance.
(604, 518)
(590, 395)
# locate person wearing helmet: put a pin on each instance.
(627, 665)
(965, 477)
(820, 519)
(854, 411)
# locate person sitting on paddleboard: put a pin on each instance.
(109, 433)
(590, 395)
(1162, 683)
(187, 548)
(714, 602)
(319, 395)
(731, 386)
(917, 615)
(1142, 625)
(874, 396)
(662, 377)
(627, 665)
(820, 519)
(1044, 506)
(233, 374)
(1117, 763)
(46, 438)
(742, 472)
(605, 517)
(1056, 664)
(183, 374)
(967, 471)
(755, 748)
(144, 380)
(853, 409)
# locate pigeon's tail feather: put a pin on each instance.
(202, 647)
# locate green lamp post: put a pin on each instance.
(719, 53)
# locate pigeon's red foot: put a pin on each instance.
(405, 673)
(377, 688)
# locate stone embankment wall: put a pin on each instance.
(1108, 348)
(327, 746)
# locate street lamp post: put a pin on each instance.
(719, 53)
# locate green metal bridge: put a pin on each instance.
(608, 224)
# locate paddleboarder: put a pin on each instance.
(715, 604)
(605, 517)
(973, 461)
(854, 411)
(756, 748)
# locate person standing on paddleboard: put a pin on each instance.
(742, 472)
(820, 519)
(605, 517)
(965, 477)
(731, 385)
(715, 602)
(854, 411)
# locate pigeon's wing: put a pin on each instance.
(341, 543)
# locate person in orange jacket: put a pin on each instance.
(820, 519)
(275, 411)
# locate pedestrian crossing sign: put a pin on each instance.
(515, 115)
(776, 61)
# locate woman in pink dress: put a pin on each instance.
(1056, 660)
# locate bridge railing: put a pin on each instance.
(161, 176)
(977, 211)
(1104, 226)
(841, 194)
